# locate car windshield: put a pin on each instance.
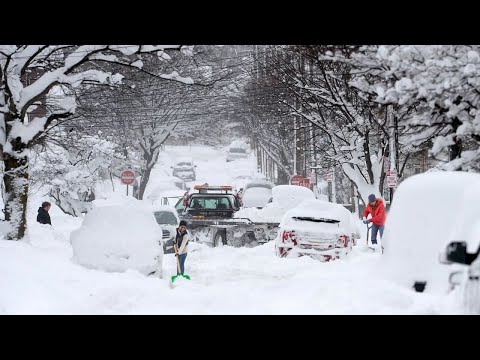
(165, 217)
(184, 164)
(211, 203)
(238, 150)
(308, 218)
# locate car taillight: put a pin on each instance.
(288, 236)
(343, 241)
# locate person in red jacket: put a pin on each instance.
(376, 208)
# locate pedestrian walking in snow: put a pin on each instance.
(43, 216)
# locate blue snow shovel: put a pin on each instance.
(174, 277)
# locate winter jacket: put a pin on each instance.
(378, 212)
(182, 241)
(43, 216)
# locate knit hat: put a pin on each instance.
(371, 198)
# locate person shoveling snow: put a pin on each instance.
(376, 208)
(180, 246)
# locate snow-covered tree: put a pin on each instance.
(442, 82)
(68, 172)
(68, 66)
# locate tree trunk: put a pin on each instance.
(16, 190)
(143, 183)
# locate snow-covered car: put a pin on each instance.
(163, 187)
(427, 212)
(237, 150)
(257, 194)
(184, 168)
(464, 248)
(168, 220)
(119, 237)
(316, 228)
(240, 181)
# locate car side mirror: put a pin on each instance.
(194, 165)
(456, 252)
(171, 167)
(455, 278)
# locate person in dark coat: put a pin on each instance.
(181, 241)
(43, 216)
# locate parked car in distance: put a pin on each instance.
(316, 228)
(237, 150)
(184, 168)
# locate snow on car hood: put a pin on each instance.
(322, 209)
(315, 229)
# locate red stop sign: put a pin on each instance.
(127, 177)
(295, 180)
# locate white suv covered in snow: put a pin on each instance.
(428, 212)
(318, 229)
(464, 248)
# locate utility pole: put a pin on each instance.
(295, 145)
(392, 143)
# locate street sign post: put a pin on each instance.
(127, 177)
(392, 181)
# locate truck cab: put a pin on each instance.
(212, 201)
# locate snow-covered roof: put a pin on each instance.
(165, 208)
(259, 183)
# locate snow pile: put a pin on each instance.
(422, 218)
(112, 238)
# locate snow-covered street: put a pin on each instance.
(39, 276)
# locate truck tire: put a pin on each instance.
(220, 239)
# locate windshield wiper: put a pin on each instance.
(305, 218)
